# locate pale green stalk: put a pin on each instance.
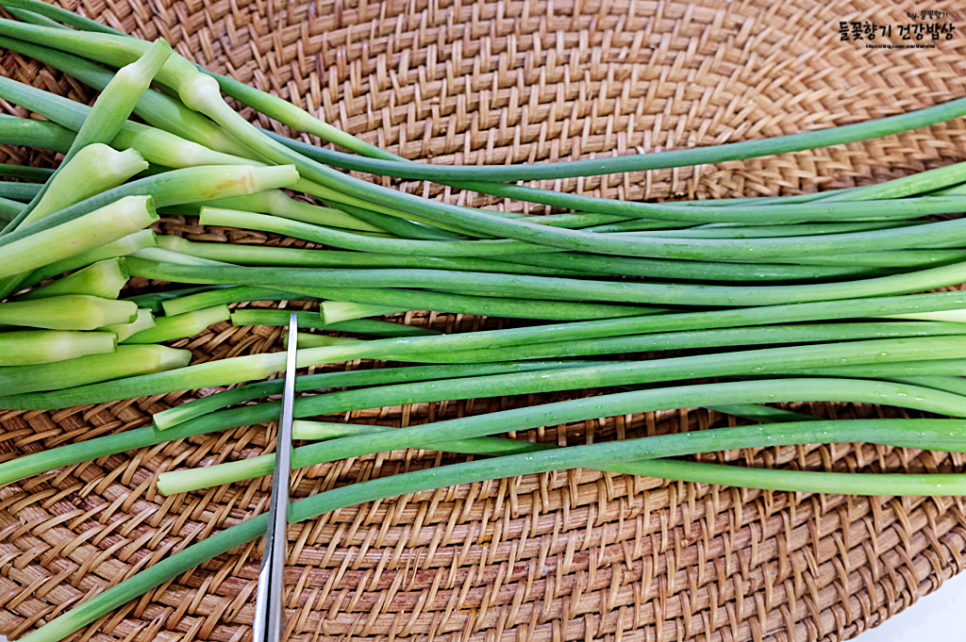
(102, 226)
(125, 361)
(144, 321)
(307, 340)
(278, 203)
(103, 279)
(740, 363)
(304, 257)
(24, 348)
(173, 188)
(258, 316)
(956, 316)
(73, 312)
(121, 247)
(241, 294)
(176, 258)
(182, 325)
(338, 311)
(94, 169)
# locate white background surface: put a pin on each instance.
(938, 617)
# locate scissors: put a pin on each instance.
(268, 601)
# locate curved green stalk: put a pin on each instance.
(110, 111)
(155, 108)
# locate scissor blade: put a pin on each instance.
(268, 614)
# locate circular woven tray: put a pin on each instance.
(575, 555)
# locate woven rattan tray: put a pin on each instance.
(576, 555)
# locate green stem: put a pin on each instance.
(144, 321)
(387, 300)
(554, 291)
(263, 255)
(182, 325)
(277, 203)
(121, 247)
(30, 347)
(572, 263)
(633, 163)
(35, 133)
(171, 188)
(19, 191)
(198, 408)
(255, 316)
(240, 294)
(103, 279)
(73, 312)
(110, 223)
(126, 361)
(349, 241)
(950, 433)
(109, 113)
(696, 339)
(748, 362)
(340, 311)
(23, 172)
(600, 456)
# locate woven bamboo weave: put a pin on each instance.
(575, 555)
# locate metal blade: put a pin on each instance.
(268, 614)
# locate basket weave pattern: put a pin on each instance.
(575, 555)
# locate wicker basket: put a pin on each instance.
(566, 556)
